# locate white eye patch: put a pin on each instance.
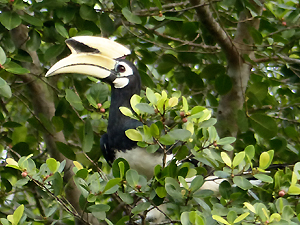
(120, 82)
(123, 69)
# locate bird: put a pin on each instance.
(104, 59)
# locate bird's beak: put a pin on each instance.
(93, 56)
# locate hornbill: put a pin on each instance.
(105, 59)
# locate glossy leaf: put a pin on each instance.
(242, 182)
(2, 56)
(74, 100)
(264, 125)
(130, 16)
(226, 159)
(134, 135)
(88, 136)
(10, 19)
(5, 90)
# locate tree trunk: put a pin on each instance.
(237, 69)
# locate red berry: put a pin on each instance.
(102, 110)
(182, 114)
(99, 105)
(138, 186)
(281, 193)
(24, 174)
(283, 23)
(184, 120)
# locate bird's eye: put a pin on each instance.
(121, 69)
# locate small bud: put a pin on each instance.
(24, 174)
(99, 105)
(283, 23)
(184, 120)
(215, 144)
(102, 110)
(160, 14)
(138, 186)
(281, 193)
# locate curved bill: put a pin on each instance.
(94, 56)
(84, 63)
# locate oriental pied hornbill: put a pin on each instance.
(104, 59)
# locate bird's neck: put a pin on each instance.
(120, 97)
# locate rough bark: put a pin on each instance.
(237, 68)
(43, 103)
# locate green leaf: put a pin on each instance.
(106, 24)
(34, 42)
(88, 136)
(151, 96)
(10, 19)
(259, 89)
(61, 30)
(132, 177)
(18, 213)
(141, 207)
(250, 151)
(294, 190)
(173, 102)
(183, 182)
(126, 197)
(5, 221)
(111, 183)
(88, 13)
(54, 51)
(231, 216)
(17, 70)
(256, 35)
(173, 188)
(226, 159)
(35, 21)
(19, 134)
(2, 56)
(66, 150)
(152, 148)
(52, 164)
(166, 140)
(98, 207)
(242, 182)
(144, 107)
(5, 90)
(130, 16)
(238, 159)
(197, 182)
(74, 100)
(134, 100)
(264, 125)
(265, 159)
(134, 135)
(180, 134)
(264, 178)
(220, 219)
(241, 217)
(226, 140)
(57, 183)
(212, 70)
(223, 84)
(161, 192)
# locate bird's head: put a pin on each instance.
(98, 57)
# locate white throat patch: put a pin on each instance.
(120, 82)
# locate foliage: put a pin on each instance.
(184, 72)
